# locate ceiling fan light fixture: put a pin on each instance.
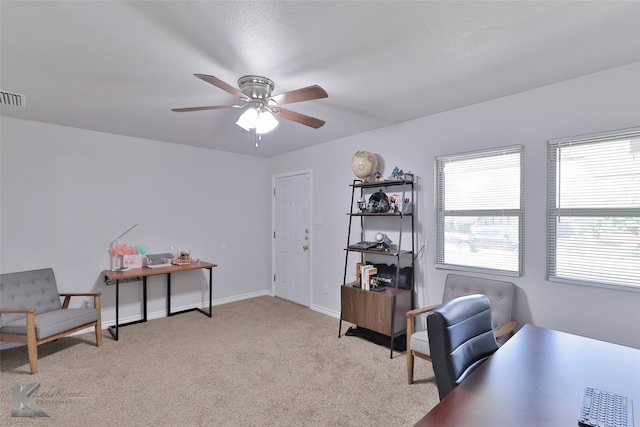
(249, 119)
(257, 117)
(266, 122)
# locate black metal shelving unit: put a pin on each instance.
(383, 312)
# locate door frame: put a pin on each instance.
(308, 172)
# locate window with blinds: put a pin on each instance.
(594, 209)
(480, 211)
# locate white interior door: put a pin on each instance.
(292, 237)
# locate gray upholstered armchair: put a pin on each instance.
(501, 296)
(31, 311)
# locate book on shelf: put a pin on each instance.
(363, 275)
(366, 272)
(358, 281)
(371, 272)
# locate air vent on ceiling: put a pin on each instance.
(13, 99)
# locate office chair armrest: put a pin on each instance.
(506, 329)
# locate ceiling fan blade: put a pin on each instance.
(304, 94)
(210, 107)
(222, 85)
(301, 118)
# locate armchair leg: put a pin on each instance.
(409, 366)
(410, 328)
(98, 335)
(32, 345)
(96, 304)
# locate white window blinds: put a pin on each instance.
(480, 211)
(594, 209)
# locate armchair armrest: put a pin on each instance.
(411, 314)
(17, 310)
(30, 314)
(506, 329)
(418, 311)
(67, 298)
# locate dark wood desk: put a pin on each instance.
(143, 273)
(538, 378)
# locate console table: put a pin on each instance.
(143, 273)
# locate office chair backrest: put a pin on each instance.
(460, 338)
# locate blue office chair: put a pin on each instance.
(461, 338)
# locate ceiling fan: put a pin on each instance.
(261, 106)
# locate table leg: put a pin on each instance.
(210, 293)
(168, 294)
(144, 297)
(114, 329)
(208, 314)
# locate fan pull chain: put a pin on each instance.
(258, 139)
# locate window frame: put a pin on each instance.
(554, 212)
(441, 211)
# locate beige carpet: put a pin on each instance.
(258, 362)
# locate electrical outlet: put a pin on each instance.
(325, 289)
(88, 303)
(203, 285)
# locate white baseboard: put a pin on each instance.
(155, 315)
(323, 310)
(163, 313)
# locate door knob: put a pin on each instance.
(305, 247)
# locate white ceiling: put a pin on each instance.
(120, 67)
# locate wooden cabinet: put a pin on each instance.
(379, 311)
(374, 310)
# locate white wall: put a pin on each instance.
(66, 193)
(595, 103)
